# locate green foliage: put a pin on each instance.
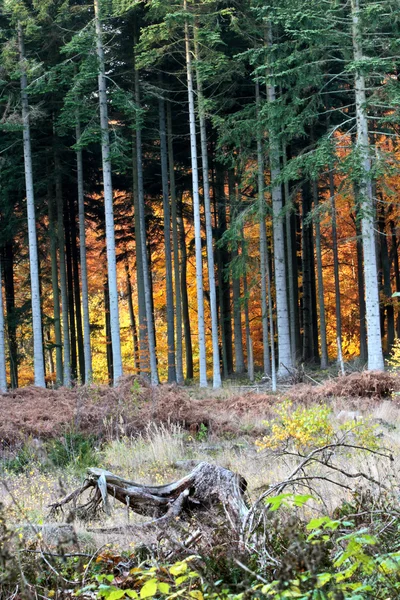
(73, 450)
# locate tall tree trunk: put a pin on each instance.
(237, 308)
(175, 244)
(263, 242)
(108, 201)
(271, 320)
(335, 263)
(321, 298)
(3, 376)
(184, 294)
(151, 339)
(30, 201)
(306, 247)
(83, 259)
(132, 319)
(77, 291)
(167, 245)
(54, 284)
(387, 286)
(396, 270)
(375, 355)
(249, 341)
(282, 309)
(360, 283)
(109, 351)
(8, 271)
(209, 231)
(63, 272)
(70, 290)
(196, 211)
(292, 283)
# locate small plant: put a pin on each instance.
(73, 449)
(202, 433)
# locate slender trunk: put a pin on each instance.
(290, 276)
(54, 285)
(237, 307)
(335, 264)
(77, 291)
(3, 377)
(108, 201)
(249, 341)
(360, 283)
(271, 321)
(109, 349)
(196, 210)
(63, 273)
(9, 289)
(30, 201)
(387, 286)
(375, 355)
(395, 254)
(151, 341)
(175, 244)
(50, 351)
(70, 289)
(321, 299)
(282, 309)
(167, 245)
(263, 243)
(83, 260)
(184, 294)
(209, 231)
(308, 340)
(132, 319)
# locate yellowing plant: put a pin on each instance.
(394, 360)
(303, 427)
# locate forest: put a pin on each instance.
(197, 191)
(199, 299)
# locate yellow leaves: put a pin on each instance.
(303, 427)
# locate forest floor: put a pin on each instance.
(157, 435)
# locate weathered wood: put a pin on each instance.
(206, 485)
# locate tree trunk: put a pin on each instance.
(321, 298)
(175, 244)
(375, 355)
(396, 270)
(167, 245)
(147, 295)
(308, 339)
(196, 211)
(282, 309)
(249, 341)
(70, 287)
(263, 242)
(335, 263)
(184, 294)
(132, 320)
(209, 231)
(77, 291)
(360, 282)
(30, 201)
(83, 260)
(63, 273)
(109, 352)
(237, 308)
(9, 289)
(108, 201)
(3, 376)
(387, 286)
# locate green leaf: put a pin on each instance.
(163, 588)
(149, 589)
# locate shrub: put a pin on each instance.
(73, 449)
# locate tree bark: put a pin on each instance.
(196, 211)
(30, 201)
(132, 320)
(108, 200)
(320, 276)
(395, 254)
(83, 259)
(175, 245)
(184, 294)
(387, 285)
(335, 251)
(9, 289)
(308, 338)
(167, 245)
(107, 324)
(3, 376)
(209, 230)
(237, 307)
(263, 242)
(77, 291)
(70, 288)
(375, 355)
(360, 283)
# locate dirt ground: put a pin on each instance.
(130, 407)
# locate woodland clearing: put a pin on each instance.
(154, 436)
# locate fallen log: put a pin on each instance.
(206, 485)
